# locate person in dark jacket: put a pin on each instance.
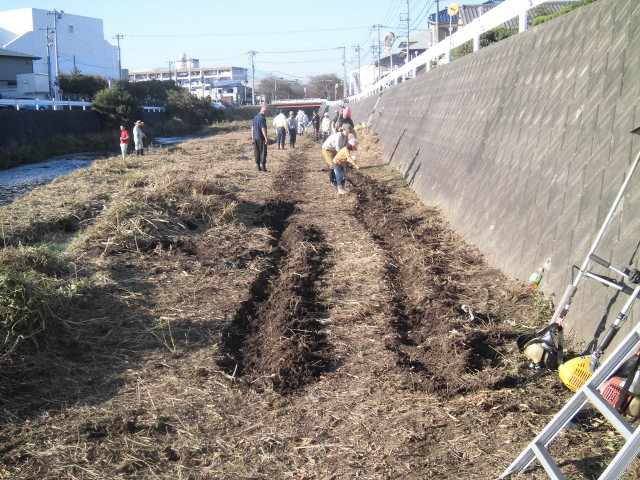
(260, 139)
(292, 126)
(315, 123)
(346, 117)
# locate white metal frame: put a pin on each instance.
(493, 18)
(589, 393)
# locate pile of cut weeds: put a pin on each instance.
(221, 322)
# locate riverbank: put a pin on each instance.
(34, 136)
(105, 143)
(202, 319)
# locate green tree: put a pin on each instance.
(191, 110)
(281, 89)
(149, 91)
(86, 86)
(323, 86)
(116, 106)
(567, 9)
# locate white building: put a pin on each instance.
(80, 41)
(200, 81)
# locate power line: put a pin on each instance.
(302, 51)
(244, 34)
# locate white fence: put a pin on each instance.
(36, 104)
(496, 16)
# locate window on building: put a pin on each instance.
(70, 27)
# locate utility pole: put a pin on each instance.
(437, 21)
(49, 45)
(378, 26)
(344, 71)
(170, 72)
(189, 73)
(406, 60)
(57, 15)
(118, 37)
(357, 48)
(253, 77)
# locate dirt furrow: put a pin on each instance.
(231, 323)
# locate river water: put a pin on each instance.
(20, 180)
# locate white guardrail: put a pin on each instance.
(37, 104)
(493, 18)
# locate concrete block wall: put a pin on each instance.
(525, 144)
(20, 126)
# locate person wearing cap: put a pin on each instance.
(343, 157)
(292, 126)
(325, 126)
(260, 138)
(346, 117)
(280, 122)
(138, 136)
(331, 147)
(333, 144)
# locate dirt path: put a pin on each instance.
(241, 324)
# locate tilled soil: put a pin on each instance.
(244, 324)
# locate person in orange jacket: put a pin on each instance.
(344, 156)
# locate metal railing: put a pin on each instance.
(37, 104)
(493, 18)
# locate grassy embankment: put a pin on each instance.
(106, 142)
(38, 281)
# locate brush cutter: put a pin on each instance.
(575, 372)
(623, 392)
(544, 349)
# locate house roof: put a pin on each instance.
(398, 59)
(469, 13)
(10, 53)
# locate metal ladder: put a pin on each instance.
(589, 393)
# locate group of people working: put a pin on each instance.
(339, 140)
(293, 125)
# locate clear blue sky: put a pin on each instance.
(294, 39)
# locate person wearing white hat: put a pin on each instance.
(138, 136)
(325, 126)
(292, 126)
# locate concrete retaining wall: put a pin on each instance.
(20, 126)
(525, 144)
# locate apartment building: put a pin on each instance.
(80, 42)
(227, 84)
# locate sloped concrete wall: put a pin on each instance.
(525, 144)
